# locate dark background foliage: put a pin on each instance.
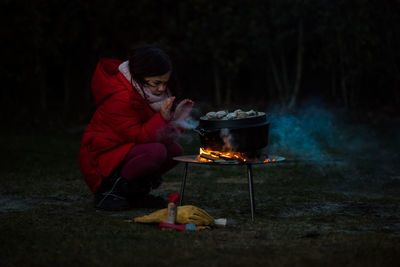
(225, 53)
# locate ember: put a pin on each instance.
(210, 155)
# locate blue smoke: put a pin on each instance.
(317, 133)
(311, 132)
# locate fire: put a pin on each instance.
(269, 160)
(210, 155)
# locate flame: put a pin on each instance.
(269, 160)
(218, 155)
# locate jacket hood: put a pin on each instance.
(106, 81)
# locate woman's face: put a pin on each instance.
(157, 84)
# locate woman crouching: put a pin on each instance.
(131, 139)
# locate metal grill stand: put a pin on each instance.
(194, 159)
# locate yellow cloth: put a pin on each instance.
(185, 214)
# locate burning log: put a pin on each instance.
(209, 157)
(219, 155)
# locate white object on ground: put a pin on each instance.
(220, 222)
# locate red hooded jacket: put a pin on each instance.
(122, 119)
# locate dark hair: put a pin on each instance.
(147, 61)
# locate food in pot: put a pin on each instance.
(252, 113)
(211, 115)
(225, 115)
(220, 114)
(231, 116)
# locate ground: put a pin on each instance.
(335, 212)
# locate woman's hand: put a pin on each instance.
(183, 109)
(166, 106)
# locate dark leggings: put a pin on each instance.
(150, 161)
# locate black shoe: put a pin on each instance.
(112, 199)
(154, 184)
(147, 201)
(138, 187)
(111, 202)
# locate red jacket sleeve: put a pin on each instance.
(130, 123)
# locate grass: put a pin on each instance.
(307, 214)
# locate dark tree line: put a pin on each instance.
(271, 51)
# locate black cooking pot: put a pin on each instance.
(247, 135)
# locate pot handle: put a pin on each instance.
(200, 131)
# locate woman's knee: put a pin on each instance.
(157, 153)
(174, 150)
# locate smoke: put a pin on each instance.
(188, 123)
(317, 133)
(227, 139)
(308, 132)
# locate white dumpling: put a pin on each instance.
(231, 116)
(241, 114)
(220, 114)
(251, 113)
(211, 115)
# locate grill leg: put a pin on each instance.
(183, 184)
(251, 190)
